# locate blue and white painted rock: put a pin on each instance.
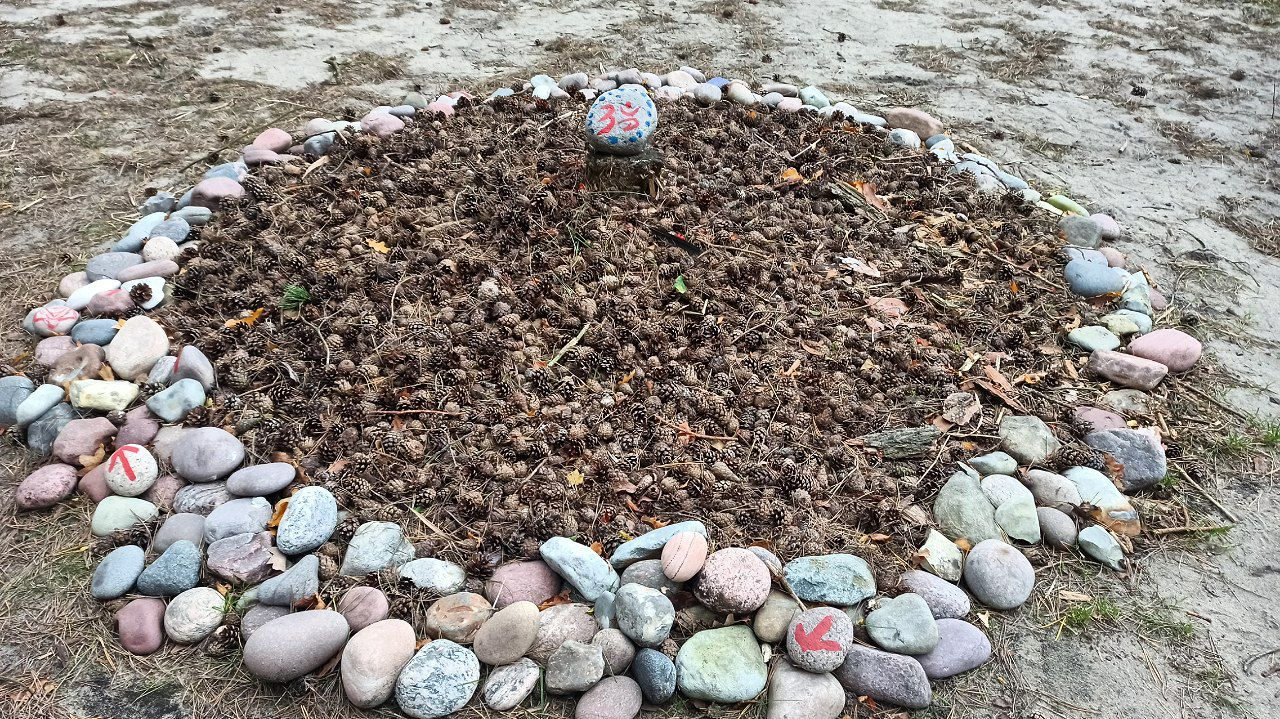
(621, 121)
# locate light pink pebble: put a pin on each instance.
(1115, 258)
(254, 156)
(211, 192)
(383, 124)
(790, 104)
(1158, 301)
(94, 484)
(110, 303)
(1107, 225)
(273, 139)
(1172, 348)
(72, 282)
(49, 349)
(155, 268)
(46, 487)
(683, 556)
(733, 580)
(443, 107)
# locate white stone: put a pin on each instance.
(80, 298)
(105, 395)
(194, 614)
(131, 470)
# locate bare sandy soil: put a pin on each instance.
(1161, 112)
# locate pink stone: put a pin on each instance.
(141, 625)
(1115, 258)
(1158, 301)
(522, 582)
(46, 487)
(155, 268)
(1172, 348)
(1107, 226)
(363, 606)
(383, 124)
(683, 556)
(440, 106)
(110, 303)
(1098, 418)
(917, 121)
(163, 491)
(72, 282)
(733, 580)
(254, 156)
(790, 104)
(140, 427)
(94, 484)
(49, 349)
(54, 320)
(559, 624)
(457, 617)
(211, 192)
(82, 438)
(1127, 370)
(273, 139)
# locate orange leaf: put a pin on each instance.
(1013, 287)
(248, 320)
(790, 176)
(561, 598)
(276, 516)
(379, 247)
(868, 191)
(964, 544)
(654, 522)
(598, 548)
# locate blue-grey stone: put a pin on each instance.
(1100, 545)
(308, 522)
(94, 332)
(1136, 295)
(14, 390)
(439, 680)
(994, 463)
(175, 402)
(656, 675)
(814, 97)
(867, 119)
(230, 170)
(841, 580)
(201, 498)
(1086, 254)
(173, 572)
(1093, 337)
(645, 615)
(375, 546)
(195, 216)
(238, 516)
(961, 647)
(259, 480)
(648, 572)
(970, 167)
(580, 567)
(295, 584)
(137, 234)
(175, 229)
(939, 141)
(319, 144)
(606, 613)
(1080, 231)
(180, 526)
(1137, 450)
(185, 200)
(162, 371)
(161, 202)
(721, 665)
(1013, 182)
(206, 454)
(963, 511)
(109, 264)
(650, 544)
(1091, 280)
(903, 624)
(42, 432)
(402, 110)
(45, 398)
(884, 676)
(117, 572)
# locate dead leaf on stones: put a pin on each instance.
(106, 373)
(89, 461)
(276, 516)
(561, 598)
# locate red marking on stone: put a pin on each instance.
(51, 317)
(124, 462)
(814, 641)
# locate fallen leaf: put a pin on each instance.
(790, 176)
(868, 191)
(964, 544)
(680, 285)
(654, 522)
(379, 247)
(598, 548)
(561, 598)
(249, 319)
(961, 407)
(575, 478)
(1071, 596)
(89, 461)
(879, 537)
(281, 506)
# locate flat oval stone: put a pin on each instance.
(945, 600)
(363, 606)
(173, 572)
(531, 581)
(140, 624)
(201, 498)
(136, 347)
(1172, 348)
(108, 264)
(656, 675)
(308, 522)
(733, 580)
(257, 617)
(207, 454)
(558, 624)
(456, 617)
(998, 575)
(49, 349)
(903, 624)
(648, 573)
(72, 282)
(46, 487)
(819, 638)
(507, 635)
(649, 545)
(435, 575)
(1056, 527)
(294, 645)
(587, 571)
(194, 614)
(841, 580)
(439, 680)
(81, 298)
(158, 268)
(644, 615)
(116, 513)
(239, 516)
(296, 583)
(372, 661)
(177, 527)
(773, 618)
(683, 556)
(721, 665)
(117, 572)
(509, 685)
(612, 698)
(961, 647)
(885, 677)
(95, 332)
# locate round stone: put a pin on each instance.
(733, 580)
(945, 600)
(612, 698)
(558, 624)
(509, 685)
(138, 345)
(117, 572)
(721, 665)
(648, 573)
(259, 480)
(1056, 527)
(618, 651)
(774, 617)
(683, 556)
(819, 638)
(363, 606)
(645, 615)
(621, 121)
(275, 140)
(435, 575)
(372, 661)
(309, 520)
(507, 635)
(1172, 348)
(131, 470)
(257, 617)
(998, 575)
(656, 675)
(522, 582)
(439, 680)
(116, 513)
(194, 614)
(886, 677)
(50, 349)
(296, 644)
(206, 454)
(961, 647)
(903, 624)
(46, 487)
(798, 694)
(177, 528)
(140, 624)
(457, 617)
(52, 319)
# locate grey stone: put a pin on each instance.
(438, 681)
(296, 583)
(1053, 490)
(1017, 517)
(174, 228)
(612, 698)
(798, 694)
(945, 600)
(1027, 439)
(173, 572)
(1000, 488)
(961, 647)
(1100, 545)
(1095, 487)
(191, 363)
(574, 667)
(108, 264)
(509, 685)
(178, 527)
(158, 204)
(941, 556)
(772, 619)
(1056, 527)
(819, 638)
(257, 616)
(435, 575)
(994, 463)
(649, 545)
(375, 546)
(721, 665)
(1138, 451)
(14, 391)
(294, 645)
(904, 625)
(241, 558)
(648, 573)
(45, 398)
(117, 572)
(558, 624)
(201, 498)
(206, 454)
(645, 615)
(837, 579)
(318, 145)
(998, 575)
(238, 516)
(1080, 231)
(195, 216)
(656, 675)
(1093, 337)
(259, 480)
(116, 513)
(95, 332)
(963, 510)
(308, 522)
(606, 610)
(617, 650)
(1088, 279)
(886, 677)
(580, 567)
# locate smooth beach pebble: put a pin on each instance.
(683, 556)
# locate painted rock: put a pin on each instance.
(819, 638)
(131, 470)
(683, 556)
(622, 121)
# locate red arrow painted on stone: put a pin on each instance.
(128, 468)
(814, 641)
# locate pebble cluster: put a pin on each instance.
(572, 620)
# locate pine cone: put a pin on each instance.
(1077, 456)
(258, 189)
(328, 567)
(141, 294)
(347, 528)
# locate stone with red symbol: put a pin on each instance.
(55, 318)
(818, 639)
(622, 121)
(131, 470)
